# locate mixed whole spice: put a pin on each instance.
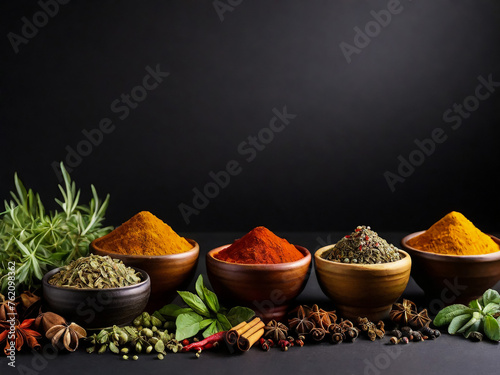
(363, 246)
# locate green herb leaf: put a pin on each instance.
(474, 327)
(205, 323)
(491, 328)
(474, 304)
(173, 311)
(187, 325)
(239, 314)
(476, 316)
(224, 322)
(458, 322)
(211, 299)
(211, 330)
(446, 315)
(199, 287)
(491, 296)
(491, 308)
(195, 302)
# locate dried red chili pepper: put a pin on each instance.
(208, 343)
(23, 335)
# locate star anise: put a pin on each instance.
(420, 320)
(300, 323)
(401, 313)
(276, 331)
(66, 336)
(23, 335)
(47, 320)
(318, 333)
(322, 318)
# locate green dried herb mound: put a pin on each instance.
(363, 246)
(95, 272)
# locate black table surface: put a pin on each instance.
(448, 354)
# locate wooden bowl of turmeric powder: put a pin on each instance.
(146, 242)
(453, 261)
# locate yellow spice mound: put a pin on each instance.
(144, 234)
(454, 234)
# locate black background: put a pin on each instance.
(324, 172)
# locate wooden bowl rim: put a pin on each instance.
(449, 257)
(369, 267)
(187, 254)
(305, 261)
(45, 283)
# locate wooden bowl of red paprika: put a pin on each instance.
(252, 279)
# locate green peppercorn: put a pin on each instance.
(124, 350)
(160, 356)
(138, 347)
(149, 348)
(135, 358)
(125, 357)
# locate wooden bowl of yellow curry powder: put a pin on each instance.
(146, 242)
(453, 261)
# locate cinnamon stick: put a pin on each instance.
(245, 343)
(233, 335)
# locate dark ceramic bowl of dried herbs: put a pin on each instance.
(93, 303)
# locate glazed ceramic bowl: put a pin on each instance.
(453, 278)
(168, 273)
(366, 290)
(266, 288)
(97, 308)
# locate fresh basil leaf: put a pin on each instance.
(199, 288)
(173, 311)
(211, 300)
(195, 302)
(446, 315)
(211, 330)
(492, 328)
(474, 304)
(224, 323)
(458, 323)
(187, 325)
(205, 323)
(475, 318)
(239, 314)
(491, 308)
(491, 296)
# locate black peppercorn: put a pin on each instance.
(417, 336)
(396, 333)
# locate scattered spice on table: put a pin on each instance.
(96, 272)
(363, 246)
(454, 234)
(260, 246)
(144, 234)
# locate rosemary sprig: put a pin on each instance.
(37, 240)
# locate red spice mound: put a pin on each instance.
(260, 246)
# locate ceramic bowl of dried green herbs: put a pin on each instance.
(362, 274)
(96, 292)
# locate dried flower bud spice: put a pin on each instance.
(363, 246)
